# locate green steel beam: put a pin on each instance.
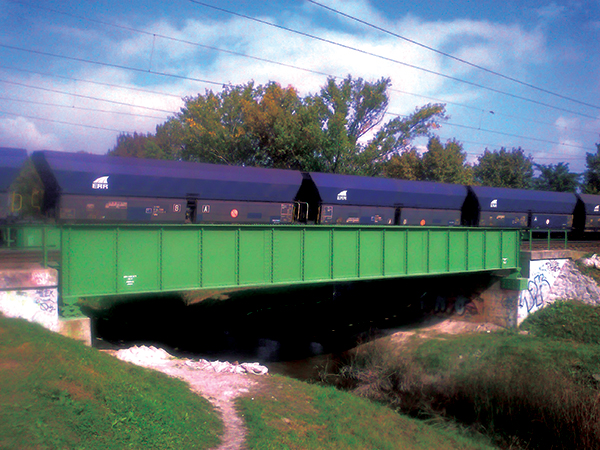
(102, 260)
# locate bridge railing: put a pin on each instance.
(546, 239)
(37, 240)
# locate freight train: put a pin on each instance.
(86, 188)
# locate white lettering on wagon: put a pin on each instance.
(100, 183)
(129, 279)
(343, 195)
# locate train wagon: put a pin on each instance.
(520, 208)
(96, 188)
(347, 199)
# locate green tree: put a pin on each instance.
(406, 166)
(591, 176)
(446, 163)
(271, 126)
(556, 178)
(347, 111)
(137, 146)
(504, 168)
(397, 135)
(214, 125)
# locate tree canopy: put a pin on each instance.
(442, 163)
(504, 168)
(556, 178)
(272, 126)
(591, 176)
(340, 129)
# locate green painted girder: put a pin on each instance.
(101, 260)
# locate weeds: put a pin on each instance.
(534, 391)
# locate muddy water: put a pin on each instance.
(294, 331)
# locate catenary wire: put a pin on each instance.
(79, 17)
(385, 58)
(448, 55)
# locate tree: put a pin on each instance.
(396, 136)
(137, 146)
(446, 163)
(347, 111)
(406, 166)
(272, 126)
(441, 163)
(591, 183)
(556, 178)
(214, 126)
(504, 168)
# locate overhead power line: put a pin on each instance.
(56, 105)
(105, 64)
(56, 91)
(98, 83)
(170, 38)
(244, 55)
(64, 123)
(385, 58)
(448, 55)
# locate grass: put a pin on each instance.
(290, 414)
(570, 320)
(540, 390)
(58, 394)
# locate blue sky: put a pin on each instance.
(74, 74)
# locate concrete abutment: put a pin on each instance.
(30, 292)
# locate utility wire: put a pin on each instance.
(66, 123)
(144, 32)
(33, 102)
(170, 38)
(130, 88)
(56, 91)
(385, 58)
(104, 64)
(448, 55)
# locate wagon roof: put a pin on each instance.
(366, 191)
(11, 162)
(592, 203)
(86, 174)
(523, 200)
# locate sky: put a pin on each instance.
(76, 74)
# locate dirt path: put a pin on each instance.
(218, 382)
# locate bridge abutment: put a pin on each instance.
(30, 292)
(552, 275)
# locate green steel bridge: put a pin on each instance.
(108, 260)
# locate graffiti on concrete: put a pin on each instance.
(46, 300)
(39, 306)
(542, 276)
(537, 293)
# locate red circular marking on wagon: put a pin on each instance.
(423, 222)
(234, 213)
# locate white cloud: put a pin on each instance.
(21, 132)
